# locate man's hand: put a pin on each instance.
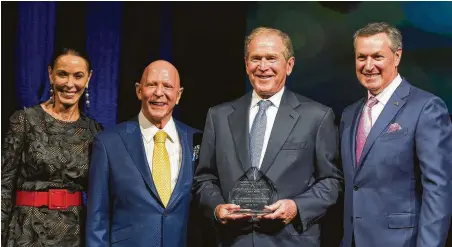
(285, 210)
(225, 212)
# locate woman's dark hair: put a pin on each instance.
(70, 51)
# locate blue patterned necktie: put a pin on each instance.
(257, 133)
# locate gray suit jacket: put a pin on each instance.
(299, 159)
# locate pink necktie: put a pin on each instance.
(365, 124)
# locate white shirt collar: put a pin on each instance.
(383, 96)
(275, 99)
(148, 129)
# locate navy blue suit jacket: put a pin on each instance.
(400, 193)
(124, 208)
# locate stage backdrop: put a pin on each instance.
(205, 42)
(322, 35)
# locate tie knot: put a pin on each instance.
(371, 102)
(264, 104)
(160, 136)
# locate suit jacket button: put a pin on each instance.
(355, 188)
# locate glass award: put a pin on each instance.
(252, 192)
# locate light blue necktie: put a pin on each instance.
(257, 133)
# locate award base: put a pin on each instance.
(253, 211)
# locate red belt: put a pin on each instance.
(53, 199)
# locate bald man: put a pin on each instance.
(141, 171)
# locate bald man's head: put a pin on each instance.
(159, 91)
(164, 68)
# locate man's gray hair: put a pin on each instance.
(394, 34)
(288, 52)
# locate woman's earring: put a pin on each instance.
(52, 101)
(87, 97)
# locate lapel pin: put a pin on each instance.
(396, 103)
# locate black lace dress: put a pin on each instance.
(41, 153)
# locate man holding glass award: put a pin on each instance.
(266, 172)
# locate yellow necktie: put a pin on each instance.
(161, 171)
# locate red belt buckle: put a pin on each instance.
(58, 199)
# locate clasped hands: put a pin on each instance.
(285, 210)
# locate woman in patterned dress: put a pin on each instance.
(45, 157)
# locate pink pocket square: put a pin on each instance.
(394, 127)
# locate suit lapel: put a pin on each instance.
(185, 162)
(284, 123)
(354, 129)
(239, 129)
(394, 104)
(132, 139)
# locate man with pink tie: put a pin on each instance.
(396, 147)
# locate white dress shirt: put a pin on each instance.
(148, 130)
(383, 97)
(271, 115)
